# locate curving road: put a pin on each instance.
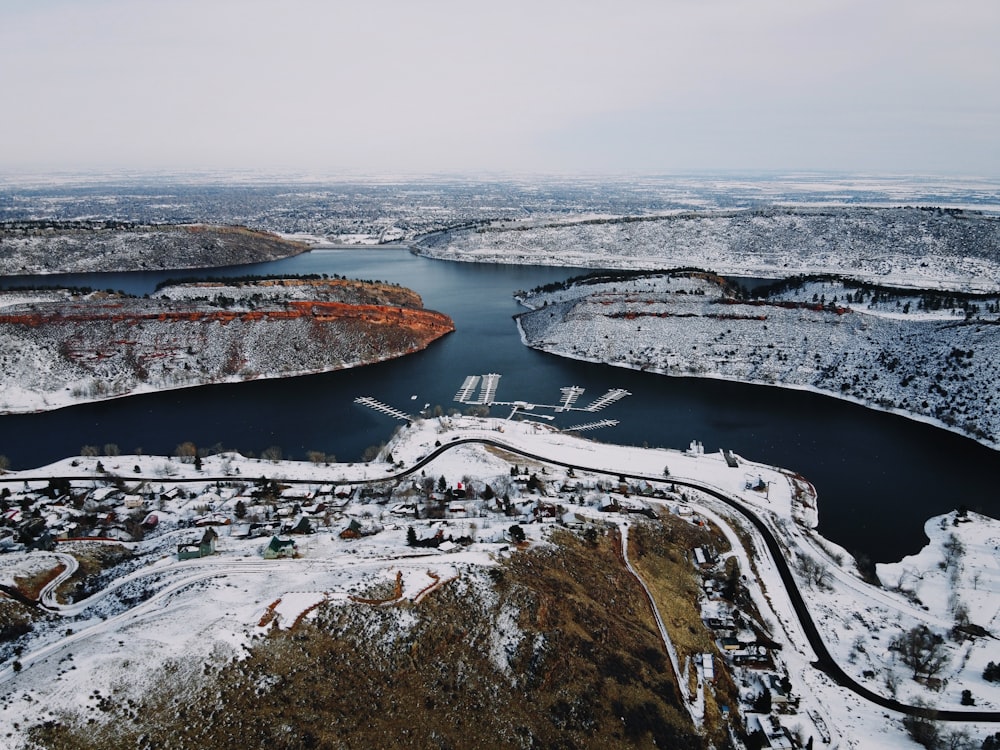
(824, 659)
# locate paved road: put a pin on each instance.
(824, 660)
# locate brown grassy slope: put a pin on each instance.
(662, 556)
(586, 669)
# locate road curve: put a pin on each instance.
(824, 660)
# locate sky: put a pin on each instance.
(544, 86)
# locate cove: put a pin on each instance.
(879, 476)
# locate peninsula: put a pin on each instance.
(61, 347)
(924, 354)
(33, 247)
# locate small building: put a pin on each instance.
(105, 494)
(204, 548)
(212, 519)
(752, 656)
(353, 530)
(774, 733)
(278, 548)
(708, 667)
(132, 502)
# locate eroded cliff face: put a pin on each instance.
(55, 353)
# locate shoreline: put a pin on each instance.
(931, 421)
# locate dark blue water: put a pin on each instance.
(879, 476)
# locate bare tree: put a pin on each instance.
(186, 451)
(272, 453)
(921, 650)
(814, 571)
(953, 550)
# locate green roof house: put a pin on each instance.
(204, 548)
(279, 548)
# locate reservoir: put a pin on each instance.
(879, 476)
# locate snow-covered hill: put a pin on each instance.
(43, 247)
(931, 248)
(56, 352)
(899, 351)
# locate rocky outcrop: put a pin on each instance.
(102, 346)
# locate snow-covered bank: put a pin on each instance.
(932, 248)
(938, 365)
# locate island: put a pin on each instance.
(61, 347)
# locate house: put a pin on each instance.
(780, 689)
(171, 494)
(7, 541)
(708, 667)
(720, 622)
(134, 501)
(43, 541)
(118, 533)
(752, 656)
(204, 548)
(277, 548)
(775, 735)
(104, 494)
(703, 558)
(353, 530)
(212, 519)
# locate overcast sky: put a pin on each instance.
(404, 86)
